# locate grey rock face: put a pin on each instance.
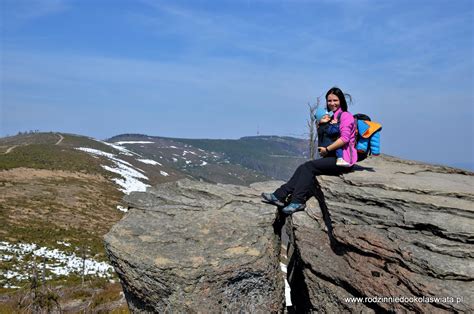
(188, 246)
(392, 228)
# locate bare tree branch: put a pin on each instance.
(311, 127)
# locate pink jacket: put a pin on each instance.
(347, 128)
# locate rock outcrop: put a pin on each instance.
(396, 234)
(392, 228)
(189, 246)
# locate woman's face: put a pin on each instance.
(333, 102)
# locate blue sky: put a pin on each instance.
(226, 69)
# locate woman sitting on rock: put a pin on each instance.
(302, 182)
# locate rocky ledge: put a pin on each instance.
(392, 228)
(189, 246)
(391, 236)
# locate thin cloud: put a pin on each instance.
(180, 68)
(22, 11)
(211, 31)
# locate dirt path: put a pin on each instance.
(10, 149)
(61, 138)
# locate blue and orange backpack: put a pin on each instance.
(367, 136)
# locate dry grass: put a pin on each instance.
(89, 298)
(108, 294)
(44, 204)
(51, 193)
(27, 139)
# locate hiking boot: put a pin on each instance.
(271, 199)
(342, 163)
(293, 208)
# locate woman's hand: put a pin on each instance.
(323, 151)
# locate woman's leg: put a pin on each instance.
(302, 181)
(306, 181)
(286, 189)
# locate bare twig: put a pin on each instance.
(311, 127)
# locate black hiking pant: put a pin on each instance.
(302, 184)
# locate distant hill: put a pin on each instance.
(272, 156)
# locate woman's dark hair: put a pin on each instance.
(342, 97)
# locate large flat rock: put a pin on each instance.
(189, 246)
(392, 228)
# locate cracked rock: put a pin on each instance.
(189, 246)
(391, 228)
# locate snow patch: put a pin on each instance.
(128, 182)
(96, 152)
(57, 262)
(164, 173)
(121, 149)
(288, 302)
(122, 209)
(130, 175)
(9, 274)
(133, 142)
(150, 162)
(188, 152)
(6, 257)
